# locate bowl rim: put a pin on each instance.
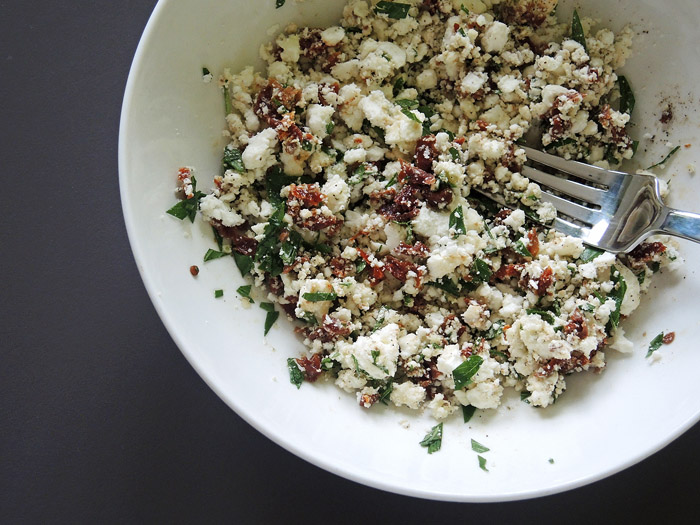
(277, 438)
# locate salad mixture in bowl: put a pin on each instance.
(351, 194)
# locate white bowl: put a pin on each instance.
(603, 423)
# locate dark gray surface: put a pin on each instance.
(101, 416)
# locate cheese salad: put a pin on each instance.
(350, 195)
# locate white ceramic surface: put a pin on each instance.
(602, 424)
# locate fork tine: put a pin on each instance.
(569, 228)
(570, 187)
(583, 171)
(573, 210)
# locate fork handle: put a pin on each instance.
(682, 224)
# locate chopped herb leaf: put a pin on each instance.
(655, 344)
(478, 447)
(559, 143)
(391, 182)
(310, 318)
(386, 392)
(626, 96)
(227, 101)
(468, 412)
(330, 127)
(316, 297)
(360, 265)
(279, 3)
(353, 29)
(268, 307)
(205, 71)
(524, 395)
(551, 461)
(618, 294)
(447, 285)
(589, 254)
(326, 364)
(410, 114)
(295, 376)
(399, 85)
(482, 271)
(218, 238)
(457, 221)
(270, 319)
(358, 368)
(187, 207)
(213, 254)
(666, 158)
(244, 262)
(288, 252)
(394, 10)
(577, 31)
(233, 160)
(482, 463)
(463, 8)
(455, 154)
(433, 439)
(587, 307)
(244, 291)
(407, 103)
(520, 249)
(466, 370)
(495, 330)
(546, 316)
(218, 294)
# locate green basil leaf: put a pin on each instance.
(478, 447)
(464, 372)
(655, 344)
(520, 249)
(244, 291)
(468, 412)
(455, 154)
(666, 158)
(399, 85)
(433, 439)
(447, 285)
(618, 293)
(244, 262)
(279, 3)
(457, 221)
(394, 10)
(482, 271)
(482, 463)
(295, 376)
(316, 297)
(218, 294)
(213, 254)
(589, 254)
(233, 160)
(627, 100)
(410, 114)
(546, 316)
(577, 31)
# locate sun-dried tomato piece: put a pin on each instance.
(545, 281)
(330, 330)
(534, 242)
(577, 324)
(239, 241)
(426, 153)
(417, 250)
(311, 368)
(399, 268)
(507, 271)
(646, 252)
(376, 273)
(668, 338)
(309, 195)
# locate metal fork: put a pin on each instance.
(617, 210)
